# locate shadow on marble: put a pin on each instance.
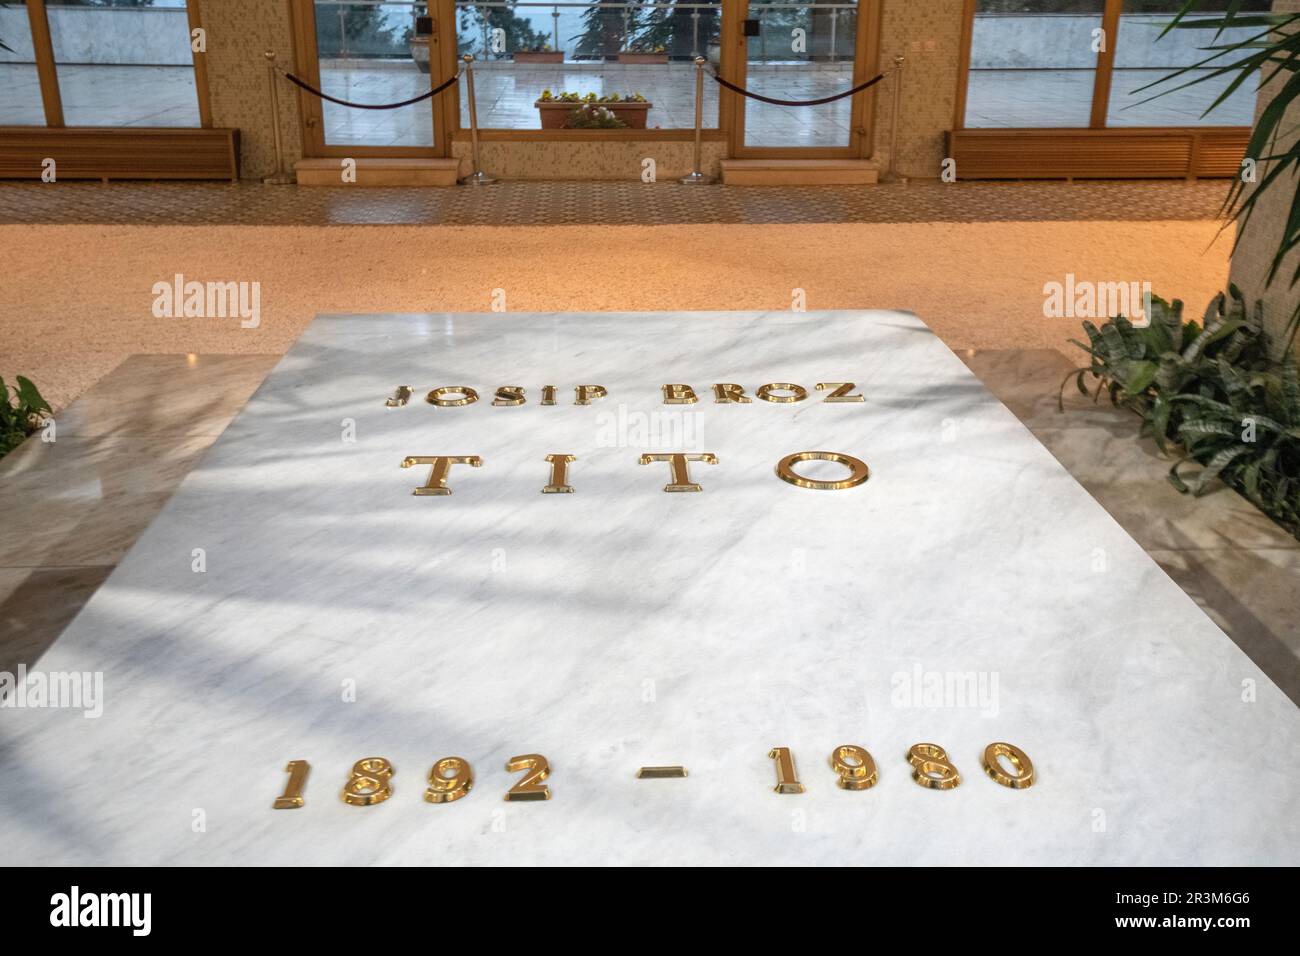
(36, 604)
(150, 395)
(84, 501)
(1250, 594)
(1229, 557)
(127, 443)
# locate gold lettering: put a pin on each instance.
(530, 786)
(679, 395)
(449, 779)
(932, 768)
(855, 767)
(680, 470)
(438, 396)
(559, 475)
(787, 781)
(291, 799)
(841, 393)
(798, 392)
(548, 394)
(1024, 775)
(400, 397)
(437, 483)
(859, 472)
(509, 395)
(585, 393)
(727, 392)
(369, 783)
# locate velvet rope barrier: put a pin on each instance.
(775, 102)
(368, 106)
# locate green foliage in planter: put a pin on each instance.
(593, 117)
(1211, 389)
(21, 414)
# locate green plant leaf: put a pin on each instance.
(1220, 461)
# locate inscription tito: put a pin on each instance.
(724, 393)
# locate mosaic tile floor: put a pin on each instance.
(609, 203)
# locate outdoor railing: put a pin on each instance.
(587, 31)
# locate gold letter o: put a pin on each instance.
(439, 396)
(859, 472)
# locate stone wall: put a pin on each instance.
(928, 34)
(601, 159)
(239, 33)
(1259, 241)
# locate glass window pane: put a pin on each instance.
(1142, 57)
(20, 89)
(123, 64)
(1033, 64)
(369, 53)
(802, 51)
(604, 48)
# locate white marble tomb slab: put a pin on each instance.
(620, 626)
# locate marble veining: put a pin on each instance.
(619, 626)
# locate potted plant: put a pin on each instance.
(20, 415)
(542, 53)
(643, 54)
(556, 109)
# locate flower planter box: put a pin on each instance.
(642, 57)
(547, 56)
(554, 113)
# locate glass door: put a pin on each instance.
(376, 52)
(806, 51)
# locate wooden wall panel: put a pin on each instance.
(1097, 154)
(85, 153)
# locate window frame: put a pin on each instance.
(1101, 89)
(47, 70)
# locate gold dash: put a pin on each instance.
(654, 772)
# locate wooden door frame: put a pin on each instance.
(862, 120)
(46, 71)
(442, 64)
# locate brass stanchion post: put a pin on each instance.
(894, 121)
(280, 177)
(697, 178)
(478, 177)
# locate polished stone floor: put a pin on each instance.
(76, 506)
